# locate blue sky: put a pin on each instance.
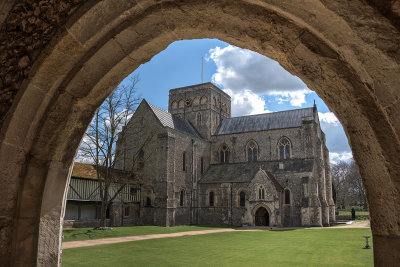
(255, 83)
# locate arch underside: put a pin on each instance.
(339, 56)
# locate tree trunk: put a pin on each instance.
(103, 213)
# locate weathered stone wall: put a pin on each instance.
(227, 209)
(186, 180)
(347, 51)
(29, 27)
(267, 142)
(207, 100)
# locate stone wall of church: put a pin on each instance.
(184, 170)
(145, 133)
(300, 189)
(267, 142)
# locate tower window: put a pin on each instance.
(201, 165)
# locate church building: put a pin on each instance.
(199, 165)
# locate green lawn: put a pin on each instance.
(305, 247)
(77, 234)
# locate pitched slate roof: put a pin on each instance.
(244, 172)
(273, 180)
(174, 122)
(262, 122)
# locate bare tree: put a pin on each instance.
(348, 185)
(99, 145)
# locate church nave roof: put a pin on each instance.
(266, 121)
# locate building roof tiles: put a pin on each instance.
(266, 121)
(172, 121)
(244, 172)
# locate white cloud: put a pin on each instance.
(336, 139)
(336, 157)
(296, 98)
(240, 70)
(328, 117)
(245, 103)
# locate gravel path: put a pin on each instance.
(103, 241)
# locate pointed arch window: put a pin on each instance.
(224, 154)
(252, 151)
(181, 198)
(148, 201)
(261, 192)
(198, 119)
(242, 199)
(211, 199)
(284, 148)
(287, 196)
(184, 161)
(140, 160)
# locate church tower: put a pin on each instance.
(203, 105)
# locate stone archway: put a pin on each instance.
(261, 217)
(350, 61)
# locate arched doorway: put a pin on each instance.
(349, 61)
(261, 217)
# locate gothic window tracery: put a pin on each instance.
(252, 151)
(224, 154)
(284, 146)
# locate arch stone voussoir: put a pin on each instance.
(348, 52)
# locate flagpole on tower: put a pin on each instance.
(201, 69)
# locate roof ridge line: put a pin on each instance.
(274, 112)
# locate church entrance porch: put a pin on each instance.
(262, 217)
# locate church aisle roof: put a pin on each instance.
(244, 172)
(266, 121)
(174, 122)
